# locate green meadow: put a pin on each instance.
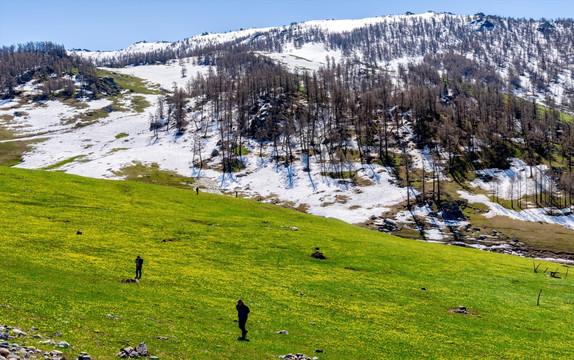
(375, 297)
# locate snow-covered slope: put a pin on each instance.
(535, 56)
(140, 47)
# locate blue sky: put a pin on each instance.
(116, 24)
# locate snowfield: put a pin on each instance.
(164, 75)
(517, 181)
(320, 195)
(308, 57)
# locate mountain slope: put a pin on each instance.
(534, 55)
(375, 296)
(410, 124)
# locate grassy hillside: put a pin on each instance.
(203, 252)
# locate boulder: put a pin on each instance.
(318, 255)
(298, 356)
(461, 310)
(18, 332)
(125, 352)
(141, 349)
(130, 281)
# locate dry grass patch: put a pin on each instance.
(6, 134)
(75, 103)
(11, 151)
(154, 175)
(538, 236)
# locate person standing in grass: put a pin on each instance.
(242, 312)
(139, 264)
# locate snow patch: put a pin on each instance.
(515, 182)
(542, 215)
(165, 75)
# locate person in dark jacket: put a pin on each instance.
(242, 312)
(139, 264)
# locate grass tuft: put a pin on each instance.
(63, 162)
(121, 135)
(152, 174)
(131, 83)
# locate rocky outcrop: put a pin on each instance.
(138, 351)
(12, 346)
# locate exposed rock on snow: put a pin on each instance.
(481, 25)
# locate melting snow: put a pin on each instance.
(165, 75)
(543, 215)
(517, 181)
